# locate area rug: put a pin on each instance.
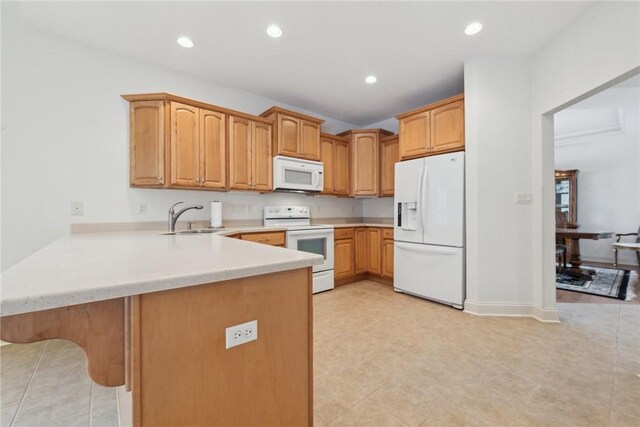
(607, 282)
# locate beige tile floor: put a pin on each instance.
(46, 384)
(386, 359)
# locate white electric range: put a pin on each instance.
(302, 236)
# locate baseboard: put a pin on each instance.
(511, 310)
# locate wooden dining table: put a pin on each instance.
(572, 238)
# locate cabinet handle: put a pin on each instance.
(160, 178)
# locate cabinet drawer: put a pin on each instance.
(274, 238)
(387, 233)
(343, 233)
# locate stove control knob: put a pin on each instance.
(277, 209)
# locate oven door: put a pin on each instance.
(316, 242)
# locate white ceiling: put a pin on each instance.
(416, 49)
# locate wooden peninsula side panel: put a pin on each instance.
(184, 376)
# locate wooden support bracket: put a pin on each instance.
(97, 327)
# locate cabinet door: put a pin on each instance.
(239, 153)
(327, 159)
(185, 145)
(373, 256)
(342, 168)
(389, 155)
(309, 140)
(387, 258)
(415, 135)
(262, 166)
(147, 122)
(343, 259)
(447, 128)
(288, 136)
(361, 250)
(213, 162)
(365, 164)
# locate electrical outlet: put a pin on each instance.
(523, 198)
(241, 334)
(142, 209)
(77, 208)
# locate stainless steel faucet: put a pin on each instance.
(173, 216)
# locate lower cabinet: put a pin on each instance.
(387, 253)
(343, 260)
(363, 250)
(373, 257)
(276, 238)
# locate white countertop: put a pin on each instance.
(362, 224)
(87, 267)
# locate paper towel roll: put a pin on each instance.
(216, 214)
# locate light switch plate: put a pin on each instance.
(523, 198)
(241, 334)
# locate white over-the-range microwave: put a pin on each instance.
(297, 175)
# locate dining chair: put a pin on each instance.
(618, 245)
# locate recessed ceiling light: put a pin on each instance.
(473, 28)
(185, 42)
(371, 79)
(274, 31)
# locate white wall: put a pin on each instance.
(497, 116)
(510, 248)
(65, 138)
(609, 178)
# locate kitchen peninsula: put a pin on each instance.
(151, 312)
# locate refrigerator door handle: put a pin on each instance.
(419, 198)
(422, 208)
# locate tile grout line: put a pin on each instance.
(90, 403)
(15, 415)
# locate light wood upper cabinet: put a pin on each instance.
(147, 139)
(288, 135)
(374, 244)
(213, 161)
(334, 155)
(185, 145)
(447, 127)
(415, 135)
(327, 159)
(309, 140)
(433, 129)
(250, 160)
(342, 168)
(182, 143)
(361, 250)
(240, 162)
(295, 134)
(262, 162)
(389, 156)
(365, 160)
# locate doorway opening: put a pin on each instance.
(597, 196)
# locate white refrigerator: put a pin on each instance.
(429, 228)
